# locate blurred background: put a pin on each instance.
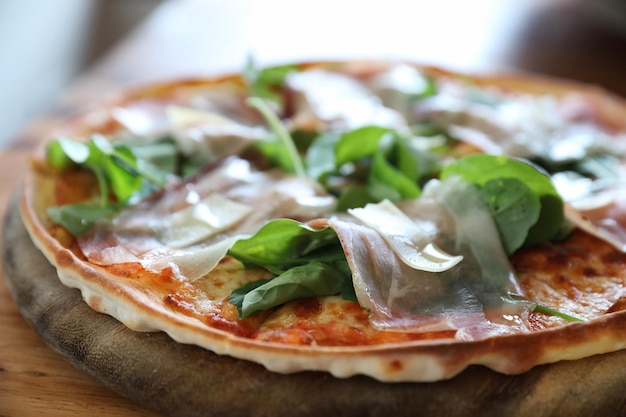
(59, 54)
(45, 44)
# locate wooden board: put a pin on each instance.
(184, 381)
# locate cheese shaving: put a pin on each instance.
(408, 239)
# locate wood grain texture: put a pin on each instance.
(186, 381)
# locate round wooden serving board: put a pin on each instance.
(184, 381)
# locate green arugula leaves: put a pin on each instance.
(266, 83)
(77, 218)
(308, 262)
(314, 279)
(368, 164)
(283, 150)
(364, 165)
(119, 172)
(522, 199)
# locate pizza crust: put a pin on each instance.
(415, 361)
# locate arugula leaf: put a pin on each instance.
(266, 82)
(307, 261)
(116, 166)
(353, 197)
(511, 188)
(117, 170)
(314, 279)
(552, 312)
(389, 182)
(359, 143)
(64, 153)
(287, 153)
(276, 153)
(514, 207)
(367, 164)
(540, 308)
(284, 243)
(320, 156)
(121, 171)
(161, 158)
(77, 218)
(237, 297)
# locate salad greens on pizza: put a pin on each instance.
(403, 190)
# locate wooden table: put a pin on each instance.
(191, 37)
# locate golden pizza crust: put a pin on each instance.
(199, 313)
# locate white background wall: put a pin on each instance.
(45, 43)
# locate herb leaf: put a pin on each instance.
(388, 182)
(292, 163)
(117, 170)
(514, 207)
(266, 82)
(540, 308)
(320, 156)
(77, 218)
(284, 243)
(367, 164)
(552, 312)
(308, 262)
(359, 143)
(511, 189)
(310, 280)
(237, 297)
(64, 153)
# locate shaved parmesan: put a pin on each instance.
(144, 120)
(408, 239)
(340, 101)
(202, 220)
(209, 134)
(191, 264)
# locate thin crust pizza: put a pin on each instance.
(378, 218)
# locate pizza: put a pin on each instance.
(379, 218)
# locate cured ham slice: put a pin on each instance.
(523, 126)
(606, 222)
(472, 297)
(191, 227)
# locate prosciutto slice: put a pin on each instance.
(606, 220)
(471, 297)
(525, 126)
(596, 206)
(190, 227)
